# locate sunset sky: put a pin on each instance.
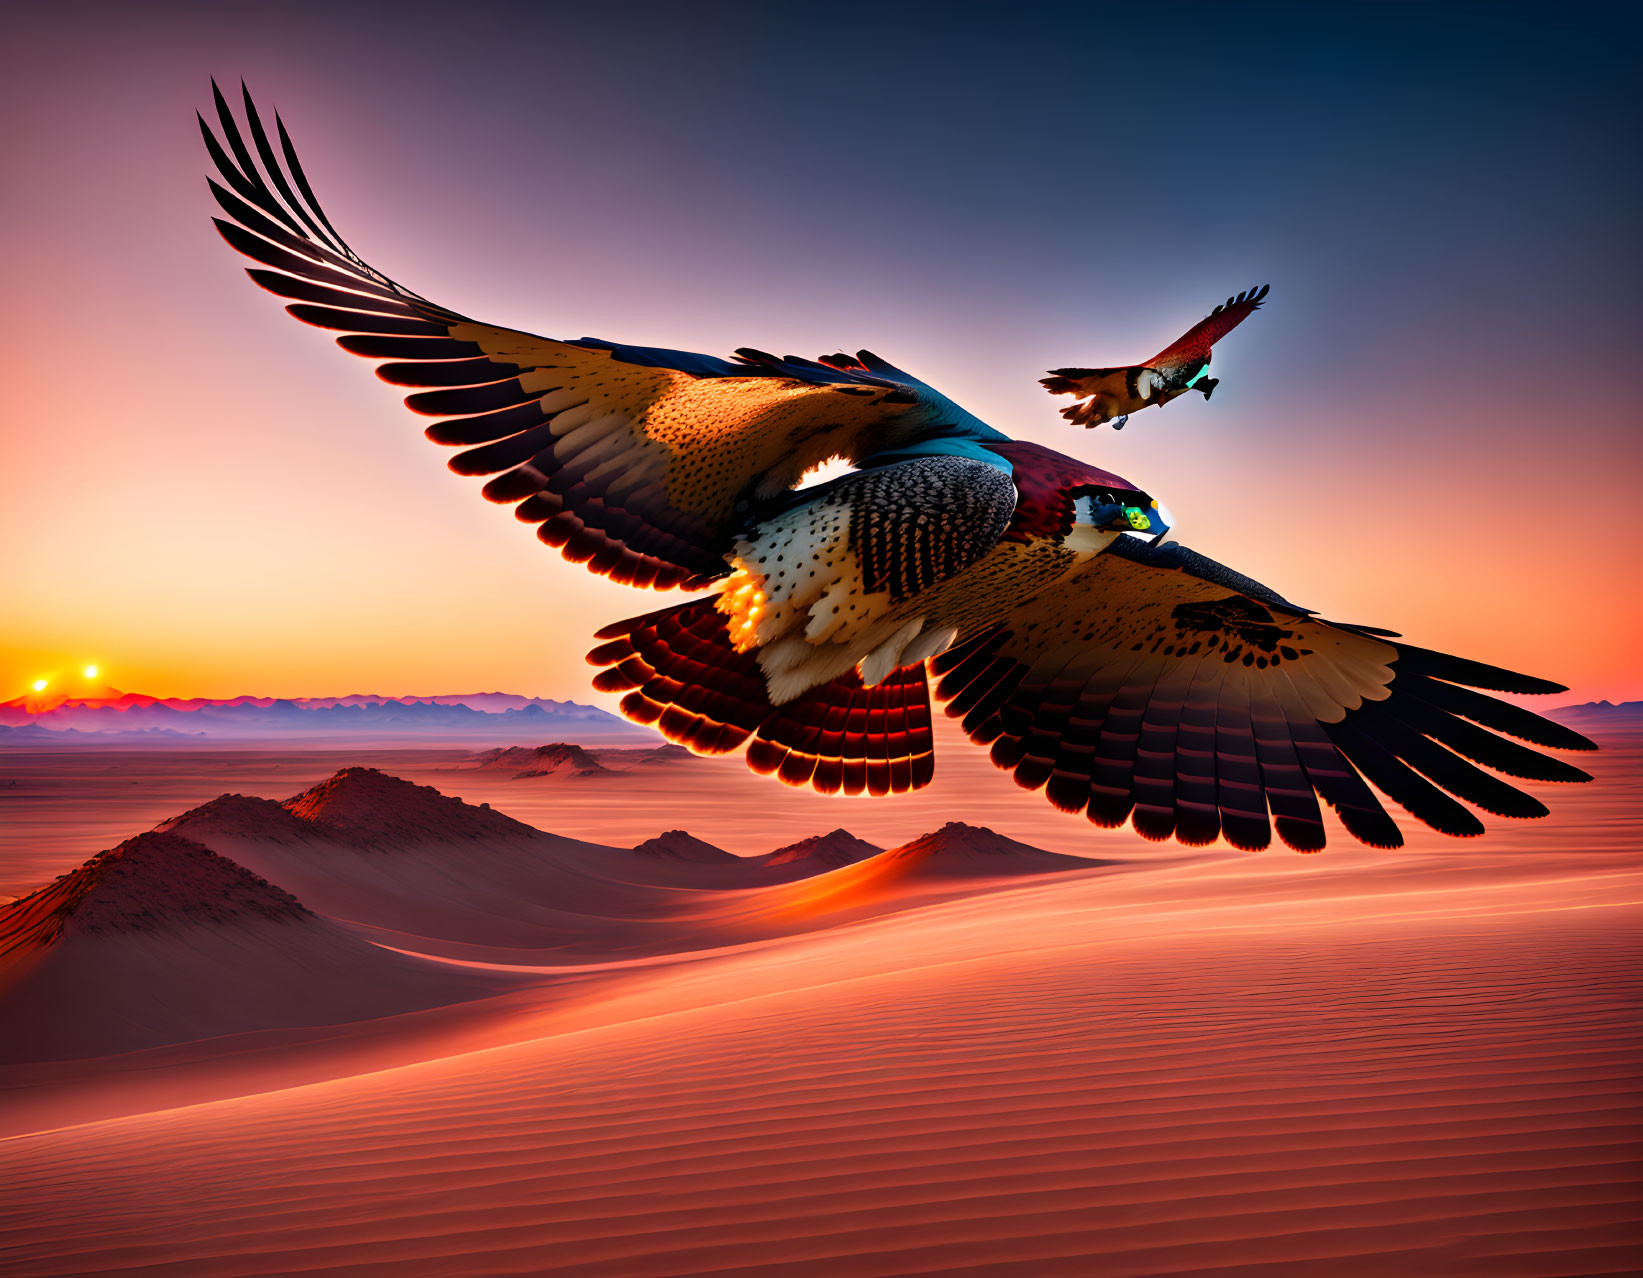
(1432, 426)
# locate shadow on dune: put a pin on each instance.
(366, 897)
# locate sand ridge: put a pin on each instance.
(947, 1057)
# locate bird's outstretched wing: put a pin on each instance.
(1158, 683)
(642, 463)
(1192, 347)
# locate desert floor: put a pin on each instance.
(1180, 1062)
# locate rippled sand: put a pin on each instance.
(1424, 1062)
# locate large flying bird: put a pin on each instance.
(1112, 394)
(1128, 677)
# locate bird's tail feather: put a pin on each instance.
(843, 737)
(682, 673)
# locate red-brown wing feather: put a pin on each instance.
(1193, 346)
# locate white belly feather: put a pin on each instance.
(797, 596)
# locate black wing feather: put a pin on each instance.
(1209, 719)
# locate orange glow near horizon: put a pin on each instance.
(424, 588)
(51, 679)
(419, 586)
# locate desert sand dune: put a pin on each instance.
(408, 862)
(60, 806)
(683, 848)
(375, 810)
(955, 860)
(833, 849)
(956, 851)
(415, 870)
(559, 760)
(965, 851)
(549, 971)
(1163, 1072)
(160, 940)
(663, 756)
(961, 1055)
(570, 761)
(800, 888)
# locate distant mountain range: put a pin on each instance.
(357, 718)
(494, 718)
(1601, 714)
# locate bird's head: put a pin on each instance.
(1101, 518)
(1101, 515)
(1120, 510)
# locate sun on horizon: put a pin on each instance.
(58, 686)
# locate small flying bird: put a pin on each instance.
(1112, 394)
(1129, 678)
